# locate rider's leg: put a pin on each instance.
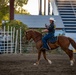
(44, 40)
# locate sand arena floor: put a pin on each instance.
(16, 64)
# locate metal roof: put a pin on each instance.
(38, 21)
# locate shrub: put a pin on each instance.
(17, 24)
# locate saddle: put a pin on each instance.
(53, 39)
(52, 43)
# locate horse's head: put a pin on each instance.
(27, 35)
(32, 34)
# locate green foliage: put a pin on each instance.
(20, 2)
(3, 2)
(18, 7)
(3, 11)
(16, 2)
(17, 24)
(4, 8)
(6, 17)
(22, 11)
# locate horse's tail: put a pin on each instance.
(73, 43)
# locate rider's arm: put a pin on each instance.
(51, 27)
(45, 30)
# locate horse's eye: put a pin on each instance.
(26, 32)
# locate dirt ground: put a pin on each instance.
(16, 64)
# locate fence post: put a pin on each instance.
(11, 41)
(14, 38)
(7, 39)
(13, 34)
(20, 41)
(4, 39)
(16, 41)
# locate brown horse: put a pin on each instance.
(62, 41)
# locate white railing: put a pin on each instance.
(72, 7)
(54, 7)
(9, 41)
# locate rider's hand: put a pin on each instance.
(42, 31)
(45, 30)
(45, 25)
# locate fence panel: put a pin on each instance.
(9, 40)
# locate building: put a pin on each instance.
(64, 12)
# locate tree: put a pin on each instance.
(11, 9)
(4, 8)
(17, 3)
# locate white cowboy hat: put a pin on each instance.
(51, 18)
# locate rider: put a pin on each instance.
(51, 30)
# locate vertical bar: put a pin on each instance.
(14, 38)
(11, 41)
(44, 7)
(16, 41)
(4, 39)
(48, 7)
(13, 34)
(7, 40)
(20, 41)
(40, 7)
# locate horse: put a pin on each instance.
(63, 41)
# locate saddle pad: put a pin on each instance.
(53, 39)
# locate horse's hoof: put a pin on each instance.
(71, 63)
(74, 60)
(50, 62)
(35, 64)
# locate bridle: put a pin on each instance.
(38, 39)
(34, 37)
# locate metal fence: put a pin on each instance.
(9, 40)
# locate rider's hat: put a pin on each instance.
(51, 18)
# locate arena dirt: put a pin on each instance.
(22, 64)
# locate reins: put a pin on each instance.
(36, 37)
(35, 41)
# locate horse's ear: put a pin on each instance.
(25, 32)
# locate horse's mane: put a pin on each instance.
(37, 32)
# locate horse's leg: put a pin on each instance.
(39, 55)
(44, 55)
(70, 54)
